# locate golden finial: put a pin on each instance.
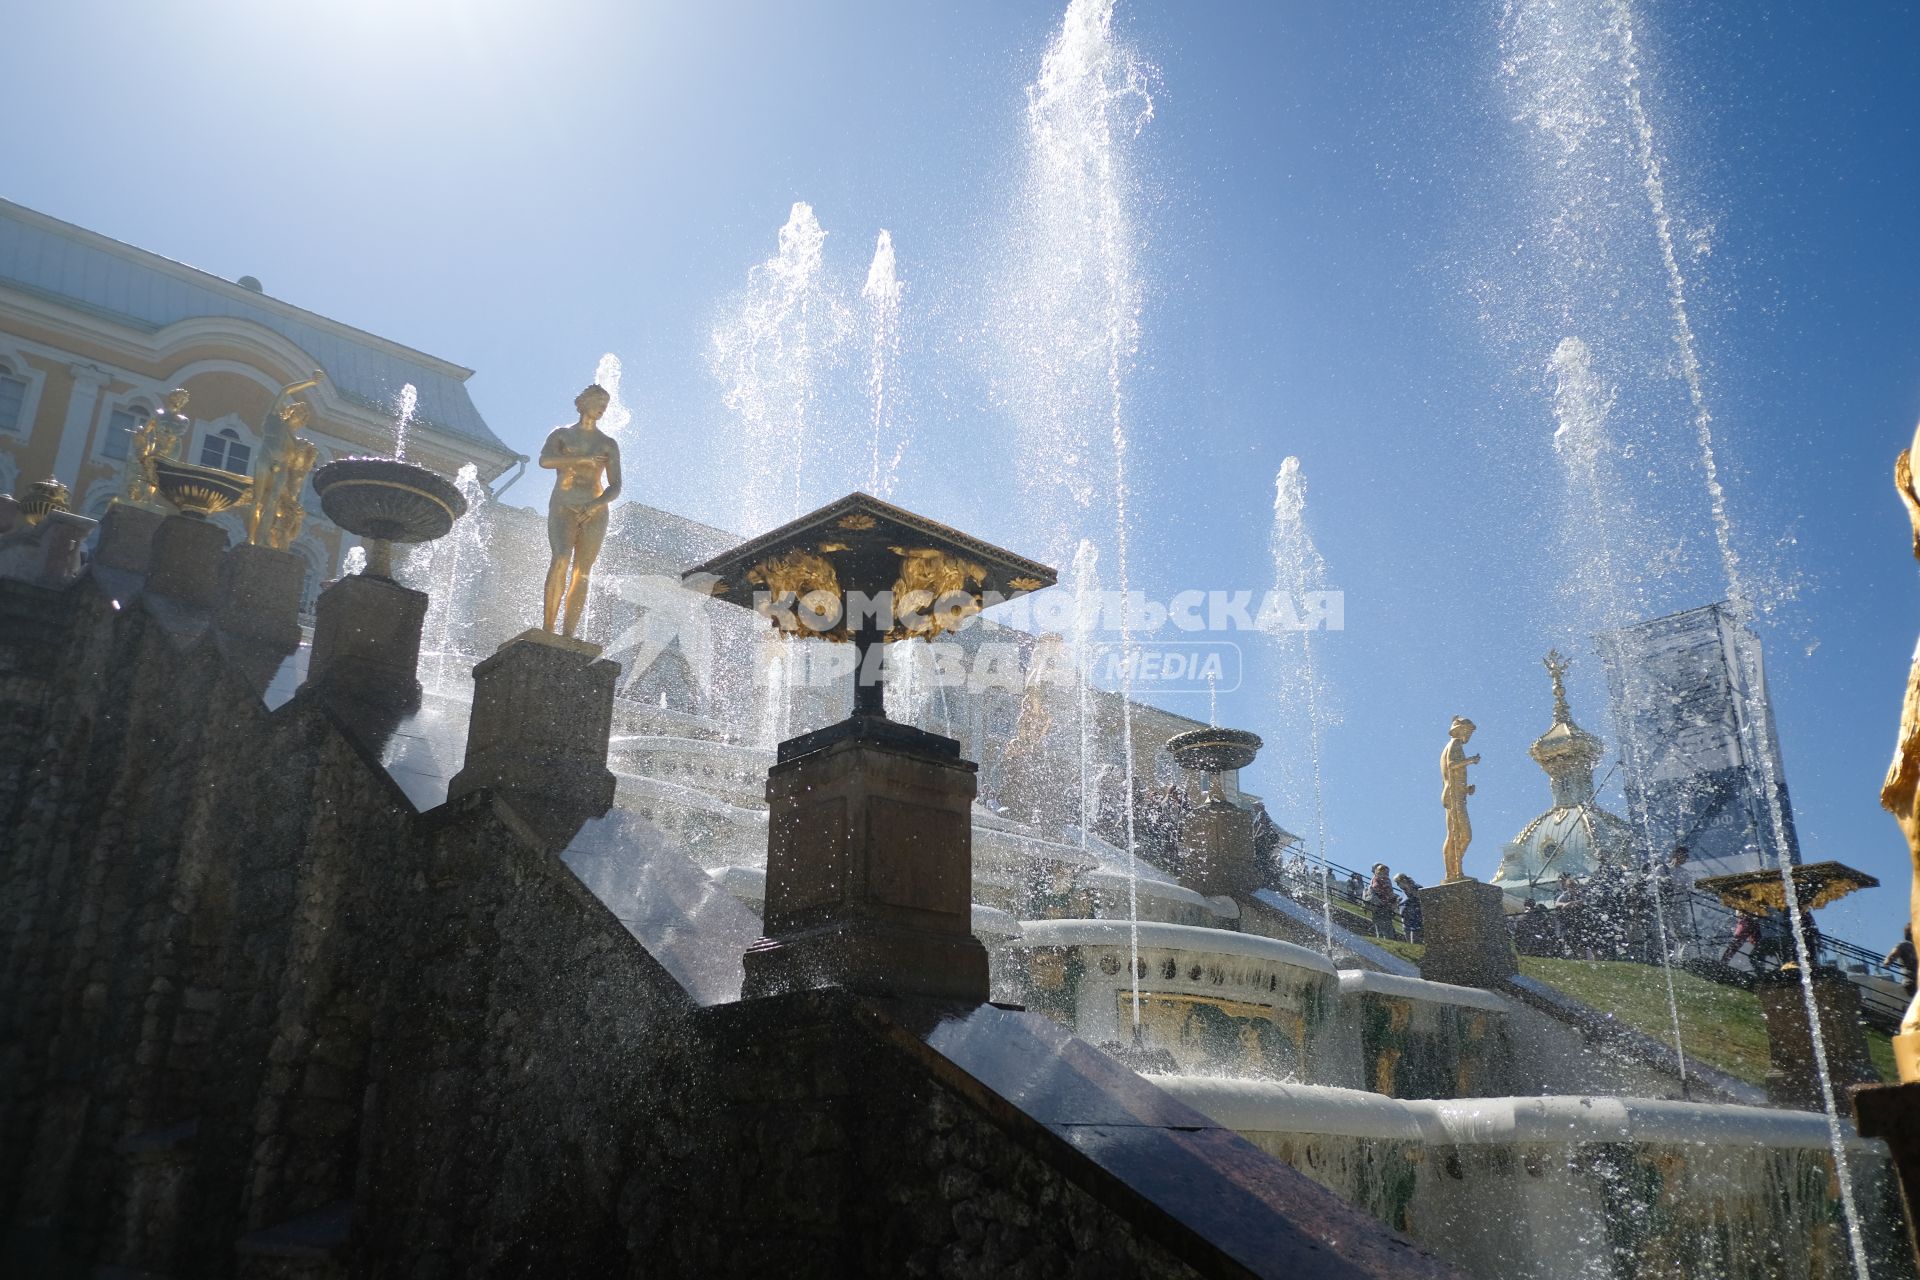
(1557, 667)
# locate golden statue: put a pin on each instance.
(1454, 790)
(1899, 794)
(1557, 667)
(285, 459)
(289, 513)
(577, 512)
(160, 436)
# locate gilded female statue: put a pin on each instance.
(1454, 790)
(1900, 795)
(580, 456)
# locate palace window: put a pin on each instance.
(121, 424)
(224, 449)
(13, 399)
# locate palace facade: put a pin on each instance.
(93, 332)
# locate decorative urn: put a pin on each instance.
(43, 498)
(196, 491)
(1213, 751)
(385, 501)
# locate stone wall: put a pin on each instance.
(259, 1017)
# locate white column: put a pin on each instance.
(87, 381)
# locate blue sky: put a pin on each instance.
(1342, 226)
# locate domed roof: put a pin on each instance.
(1576, 834)
(1566, 838)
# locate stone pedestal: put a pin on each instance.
(366, 647)
(870, 866)
(126, 537)
(542, 712)
(185, 559)
(260, 591)
(1464, 923)
(46, 554)
(1792, 1074)
(1216, 849)
(1891, 1112)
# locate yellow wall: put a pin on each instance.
(52, 349)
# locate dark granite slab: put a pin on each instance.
(1210, 1183)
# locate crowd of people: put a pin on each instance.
(1619, 912)
(1616, 913)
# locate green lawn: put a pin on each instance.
(1722, 1027)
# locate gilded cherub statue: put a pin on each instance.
(160, 436)
(1900, 794)
(581, 455)
(285, 460)
(1454, 790)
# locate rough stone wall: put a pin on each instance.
(260, 1018)
(826, 1148)
(188, 914)
(232, 952)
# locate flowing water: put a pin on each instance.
(1298, 568)
(1602, 514)
(1072, 319)
(882, 295)
(1606, 256)
(1738, 590)
(1086, 616)
(607, 375)
(403, 408)
(771, 356)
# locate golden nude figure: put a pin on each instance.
(582, 456)
(1900, 794)
(282, 453)
(1454, 790)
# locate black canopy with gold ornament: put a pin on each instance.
(866, 571)
(1815, 884)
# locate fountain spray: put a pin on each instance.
(770, 357)
(1086, 612)
(1073, 320)
(1581, 405)
(607, 374)
(1298, 568)
(882, 294)
(1654, 185)
(403, 407)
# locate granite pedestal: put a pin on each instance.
(1793, 1078)
(260, 591)
(1891, 1112)
(185, 560)
(870, 866)
(542, 713)
(366, 649)
(126, 537)
(1464, 924)
(46, 554)
(1216, 849)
